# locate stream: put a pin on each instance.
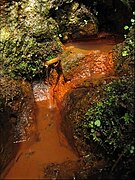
(49, 145)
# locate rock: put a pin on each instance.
(112, 15)
(69, 62)
(17, 121)
(65, 170)
(28, 37)
(78, 65)
(78, 23)
(82, 99)
(83, 73)
(123, 55)
(106, 98)
(86, 31)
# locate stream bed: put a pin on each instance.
(49, 145)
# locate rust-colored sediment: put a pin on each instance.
(92, 66)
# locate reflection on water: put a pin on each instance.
(41, 92)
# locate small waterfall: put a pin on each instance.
(42, 90)
(49, 92)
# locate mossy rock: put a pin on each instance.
(78, 23)
(123, 54)
(101, 115)
(27, 39)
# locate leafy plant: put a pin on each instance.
(110, 121)
(27, 38)
(130, 43)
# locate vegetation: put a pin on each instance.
(30, 34)
(110, 121)
(123, 53)
(23, 56)
(128, 49)
(27, 38)
(127, 3)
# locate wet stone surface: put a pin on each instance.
(16, 117)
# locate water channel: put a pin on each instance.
(49, 145)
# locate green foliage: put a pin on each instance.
(130, 43)
(50, 57)
(27, 39)
(22, 57)
(110, 121)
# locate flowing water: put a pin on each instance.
(49, 145)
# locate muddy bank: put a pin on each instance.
(16, 117)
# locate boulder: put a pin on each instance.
(78, 23)
(123, 54)
(81, 65)
(98, 112)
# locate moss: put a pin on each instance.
(10, 90)
(102, 123)
(27, 39)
